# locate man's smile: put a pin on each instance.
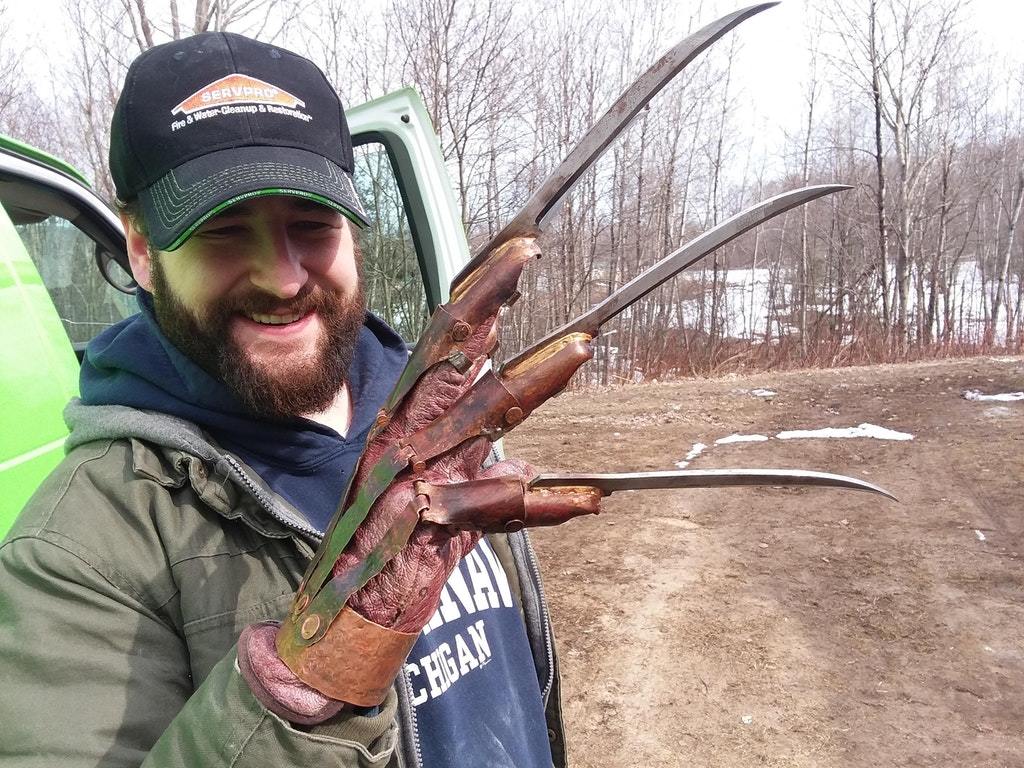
(259, 325)
(275, 319)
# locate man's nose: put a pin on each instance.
(278, 267)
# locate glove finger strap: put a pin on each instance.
(356, 661)
(503, 504)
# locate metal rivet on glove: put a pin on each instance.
(461, 331)
(310, 626)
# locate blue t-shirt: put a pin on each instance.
(473, 681)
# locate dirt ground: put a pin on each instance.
(794, 627)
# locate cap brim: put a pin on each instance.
(175, 205)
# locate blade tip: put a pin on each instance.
(880, 491)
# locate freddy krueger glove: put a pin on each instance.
(418, 503)
(392, 607)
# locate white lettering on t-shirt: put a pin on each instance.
(500, 579)
(484, 593)
(478, 585)
(434, 667)
(442, 668)
(483, 648)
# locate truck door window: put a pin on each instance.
(392, 281)
(66, 259)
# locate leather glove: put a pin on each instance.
(405, 594)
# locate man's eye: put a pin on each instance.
(231, 230)
(313, 226)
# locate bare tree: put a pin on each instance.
(10, 71)
(923, 255)
(460, 56)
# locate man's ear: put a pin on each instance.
(138, 253)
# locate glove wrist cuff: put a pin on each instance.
(356, 661)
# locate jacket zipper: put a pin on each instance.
(266, 504)
(549, 650)
(414, 723)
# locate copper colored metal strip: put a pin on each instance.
(536, 378)
(554, 506)
(494, 285)
(491, 505)
(342, 528)
(356, 661)
(496, 404)
(503, 505)
(480, 411)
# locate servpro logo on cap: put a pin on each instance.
(236, 89)
(237, 94)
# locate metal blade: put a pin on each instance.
(679, 260)
(542, 203)
(705, 478)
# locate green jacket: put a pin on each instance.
(124, 585)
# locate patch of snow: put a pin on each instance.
(1005, 397)
(763, 393)
(863, 430)
(740, 439)
(697, 450)
(980, 535)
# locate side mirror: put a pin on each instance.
(114, 271)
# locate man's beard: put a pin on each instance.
(277, 390)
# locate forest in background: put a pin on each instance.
(921, 258)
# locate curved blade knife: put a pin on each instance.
(641, 285)
(704, 478)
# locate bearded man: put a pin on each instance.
(215, 436)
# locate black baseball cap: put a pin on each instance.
(217, 118)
